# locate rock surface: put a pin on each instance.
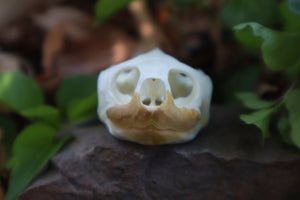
(226, 161)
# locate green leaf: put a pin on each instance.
(44, 113)
(9, 132)
(106, 8)
(252, 100)
(280, 50)
(82, 109)
(261, 119)
(290, 19)
(284, 128)
(18, 91)
(235, 12)
(294, 5)
(76, 87)
(292, 100)
(32, 149)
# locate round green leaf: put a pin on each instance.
(32, 149)
(44, 113)
(18, 91)
(261, 119)
(82, 109)
(280, 50)
(251, 100)
(76, 87)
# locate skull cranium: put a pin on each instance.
(154, 99)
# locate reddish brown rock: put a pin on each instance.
(226, 161)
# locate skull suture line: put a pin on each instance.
(154, 99)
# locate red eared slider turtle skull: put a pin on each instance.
(154, 99)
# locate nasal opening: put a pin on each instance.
(152, 92)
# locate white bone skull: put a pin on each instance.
(154, 99)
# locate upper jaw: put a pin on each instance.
(162, 123)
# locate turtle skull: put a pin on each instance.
(154, 99)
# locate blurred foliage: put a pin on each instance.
(264, 12)
(290, 20)
(83, 108)
(105, 9)
(294, 6)
(280, 52)
(261, 119)
(72, 94)
(30, 150)
(253, 101)
(292, 129)
(45, 113)
(18, 92)
(9, 129)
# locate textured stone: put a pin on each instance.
(225, 161)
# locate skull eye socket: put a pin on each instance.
(181, 84)
(126, 80)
